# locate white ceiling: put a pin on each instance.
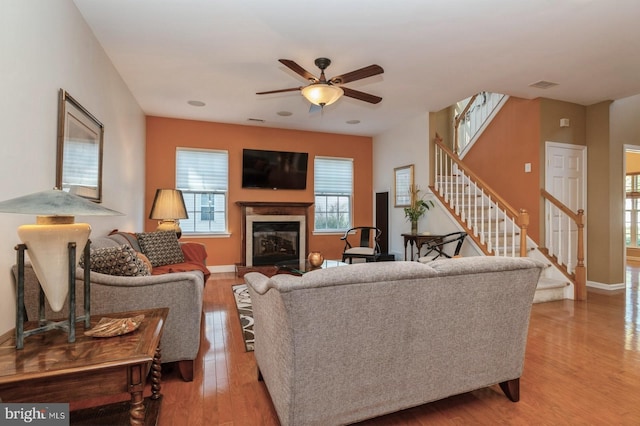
(434, 53)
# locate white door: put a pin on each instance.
(566, 178)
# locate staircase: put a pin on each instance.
(498, 229)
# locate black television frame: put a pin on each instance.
(267, 169)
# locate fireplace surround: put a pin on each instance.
(274, 238)
(258, 218)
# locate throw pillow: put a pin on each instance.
(146, 261)
(161, 247)
(121, 260)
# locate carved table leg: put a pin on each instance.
(136, 387)
(156, 375)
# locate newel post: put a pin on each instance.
(581, 270)
(523, 223)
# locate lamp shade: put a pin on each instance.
(322, 94)
(48, 240)
(55, 202)
(168, 204)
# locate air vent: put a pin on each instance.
(542, 84)
(256, 120)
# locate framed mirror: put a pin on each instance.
(403, 181)
(79, 153)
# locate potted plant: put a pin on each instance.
(417, 209)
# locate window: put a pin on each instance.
(333, 186)
(632, 210)
(203, 175)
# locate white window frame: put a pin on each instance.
(328, 186)
(632, 214)
(214, 185)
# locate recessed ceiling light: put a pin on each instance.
(542, 84)
(353, 121)
(284, 113)
(196, 103)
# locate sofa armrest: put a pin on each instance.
(181, 292)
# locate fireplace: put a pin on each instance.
(273, 232)
(274, 238)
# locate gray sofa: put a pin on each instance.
(344, 344)
(181, 292)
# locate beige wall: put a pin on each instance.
(605, 262)
(46, 45)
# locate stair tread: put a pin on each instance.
(549, 283)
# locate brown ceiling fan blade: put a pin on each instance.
(365, 72)
(298, 69)
(362, 96)
(293, 89)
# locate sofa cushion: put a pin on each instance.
(121, 260)
(125, 238)
(162, 247)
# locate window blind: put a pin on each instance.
(333, 176)
(201, 170)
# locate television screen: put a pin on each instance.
(274, 169)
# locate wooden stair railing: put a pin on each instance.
(473, 117)
(466, 205)
(566, 257)
(563, 258)
(458, 120)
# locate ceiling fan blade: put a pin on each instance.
(298, 69)
(313, 108)
(293, 89)
(361, 96)
(365, 72)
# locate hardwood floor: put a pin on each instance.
(582, 367)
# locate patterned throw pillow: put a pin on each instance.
(121, 260)
(162, 247)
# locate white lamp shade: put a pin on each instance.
(48, 247)
(322, 94)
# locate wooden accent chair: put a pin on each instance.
(367, 248)
(448, 246)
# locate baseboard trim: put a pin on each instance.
(221, 268)
(607, 287)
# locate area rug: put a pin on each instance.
(245, 313)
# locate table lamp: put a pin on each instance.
(49, 240)
(168, 208)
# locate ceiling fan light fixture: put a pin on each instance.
(322, 94)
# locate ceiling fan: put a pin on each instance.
(323, 92)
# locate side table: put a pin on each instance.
(418, 240)
(50, 369)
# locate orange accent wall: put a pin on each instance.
(499, 156)
(164, 135)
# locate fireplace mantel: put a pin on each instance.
(272, 208)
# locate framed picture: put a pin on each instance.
(403, 181)
(79, 153)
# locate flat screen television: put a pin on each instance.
(274, 169)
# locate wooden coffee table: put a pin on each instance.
(49, 369)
